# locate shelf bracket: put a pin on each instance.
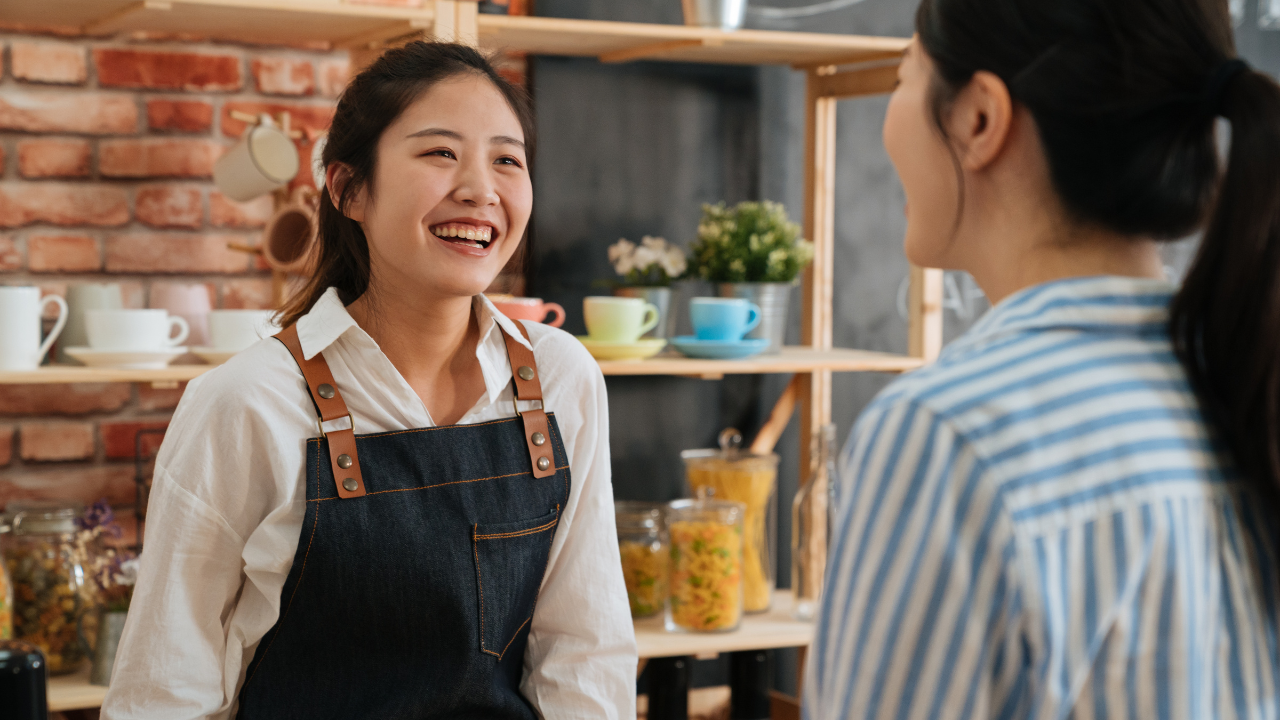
(874, 79)
(641, 52)
(114, 21)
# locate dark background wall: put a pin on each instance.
(635, 149)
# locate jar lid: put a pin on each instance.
(725, 511)
(636, 515)
(44, 516)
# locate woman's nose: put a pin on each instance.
(475, 186)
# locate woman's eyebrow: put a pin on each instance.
(436, 131)
(505, 140)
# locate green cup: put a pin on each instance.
(618, 319)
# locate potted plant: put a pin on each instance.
(647, 270)
(753, 251)
(112, 573)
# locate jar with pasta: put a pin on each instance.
(642, 543)
(706, 565)
(731, 474)
(47, 572)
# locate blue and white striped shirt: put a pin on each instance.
(1039, 525)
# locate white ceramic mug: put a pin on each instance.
(235, 330)
(137, 330)
(80, 298)
(263, 160)
(618, 319)
(21, 310)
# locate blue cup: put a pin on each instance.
(723, 318)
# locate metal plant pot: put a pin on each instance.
(110, 628)
(772, 299)
(723, 14)
(661, 299)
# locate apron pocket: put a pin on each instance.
(511, 559)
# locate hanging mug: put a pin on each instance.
(265, 159)
(289, 241)
(21, 310)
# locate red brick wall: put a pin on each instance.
(106, 153)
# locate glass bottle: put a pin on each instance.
(706, 565)
(811, 513)
(6, 587)
(48, 576)
(642, 544)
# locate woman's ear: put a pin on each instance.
(336, 177)
(980, 120)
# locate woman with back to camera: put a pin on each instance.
(371, 515)
(1073, 512)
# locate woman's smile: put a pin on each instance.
(468, 237)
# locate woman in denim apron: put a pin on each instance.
(339, 528)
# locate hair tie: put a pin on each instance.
(1216, 86)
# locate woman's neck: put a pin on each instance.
(431, 342)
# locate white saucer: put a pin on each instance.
(213, 356)
(126, 359)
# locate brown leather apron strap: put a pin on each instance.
(528, 388)
(329, 404)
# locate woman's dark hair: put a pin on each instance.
(1124, 94)
(371, 102)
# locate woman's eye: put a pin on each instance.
(440, 153)
(510, 161)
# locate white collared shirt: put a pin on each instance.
(228, 500)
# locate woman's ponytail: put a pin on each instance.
(1225, 321)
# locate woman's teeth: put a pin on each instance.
(472, 235)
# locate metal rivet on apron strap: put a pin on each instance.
(539, 439)
(344, 461)
(325, 391)
(525, 372)
(350, 484)
(543, 463)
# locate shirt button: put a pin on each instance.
(543, 463)
(344, 461)
(350, 484)
(325, 391)
(539, 439)
(525, 372)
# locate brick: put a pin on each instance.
(54, 158)
(301, 116)
(49, 62)
(158, 157)
(182, 115)
(10, 253)
(6, 445)
(62, 204)
(168, 252)
(225, 212)
(151, 398)
(334, 75)
(81, 112)
(74, 399)
(247, 294)
(118, 438)
(86, 484)
(163, 70)
(51, 441)
(283, 76)
(169, 206)
(63, 253)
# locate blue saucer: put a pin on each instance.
(719, 349)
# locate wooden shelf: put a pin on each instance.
(330, 23)
(773, 629)
(74, 692)
(790, 360)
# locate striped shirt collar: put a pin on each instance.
(1102, 303)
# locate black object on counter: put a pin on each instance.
(669, 688)
(749, 673)
(24, 680)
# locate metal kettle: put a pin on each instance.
(24, 679)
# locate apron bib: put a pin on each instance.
(418, 566)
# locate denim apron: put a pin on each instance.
(418, 566)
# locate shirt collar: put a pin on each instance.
(1103, 303)
(328, 320)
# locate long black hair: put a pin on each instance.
(1124, 94)
(370, 103)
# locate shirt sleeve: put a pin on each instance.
(920, 614)
(581, 657)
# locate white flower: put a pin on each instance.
(621, 256)
(656, 244)
(128, 572)
(643, 257)
(673, 262)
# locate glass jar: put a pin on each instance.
(706, 565)
(812, 512)
(48, 581)
(738, 476)
(642, 543)
(6, 587)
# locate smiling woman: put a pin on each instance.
(429, 555)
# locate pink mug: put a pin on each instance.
(523, 308)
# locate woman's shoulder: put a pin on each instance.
(558, 352)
